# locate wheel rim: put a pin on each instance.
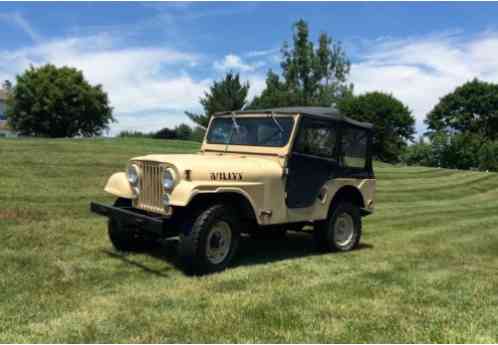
(218, 242)
(344, 229)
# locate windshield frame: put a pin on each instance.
(280, 151)
(272, 117)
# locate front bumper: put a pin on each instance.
(129, 217)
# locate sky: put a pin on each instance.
(156, 59)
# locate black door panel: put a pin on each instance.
(307, 175)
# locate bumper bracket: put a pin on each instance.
(130, 218)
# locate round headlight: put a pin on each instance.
(133, 175)
(168, 179)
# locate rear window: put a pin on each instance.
(354, 147)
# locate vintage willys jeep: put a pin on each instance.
(257, 171)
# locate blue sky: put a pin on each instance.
(156, 59)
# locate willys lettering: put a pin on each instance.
(226, 176)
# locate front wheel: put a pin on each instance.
(210, 243)
(342, 230)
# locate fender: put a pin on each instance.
(118, 185)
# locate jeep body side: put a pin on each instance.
(263, 170)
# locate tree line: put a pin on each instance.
(462, 127)
(180, 132)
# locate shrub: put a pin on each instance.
(134, 134)
(165, 133)
(57, 102)
(488, 156)
(418, 154)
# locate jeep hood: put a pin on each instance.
(203, 166)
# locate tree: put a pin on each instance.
(7, 85)
(420, 153)
(488, 156)
(183, 132)
(225, 95)
(456, 150)
(165, 133)
(393, 123)
(311, 77)
(471, 108)
(57, 102)
(198, 134)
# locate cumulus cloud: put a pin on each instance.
(422, 70)
(147, 86)
(150, 87)
(234, 62)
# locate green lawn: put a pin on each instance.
(427, 269)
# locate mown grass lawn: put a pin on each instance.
(427, 270)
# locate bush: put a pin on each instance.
(134, 134)
(488, 156)
(456, 151)
(57, 102)
(418, 154)
(165, 133)
(183, 132)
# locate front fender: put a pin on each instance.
(118, 185)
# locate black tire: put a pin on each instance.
(329, 233)
(126, 239)
(197, 241)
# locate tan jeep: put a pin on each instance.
(257, 171)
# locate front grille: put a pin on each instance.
(149, 198)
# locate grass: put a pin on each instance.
(427, 270)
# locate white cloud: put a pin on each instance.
(264, 52)
(139, 80)
(420, 71)
(234, 62)
(18, 20)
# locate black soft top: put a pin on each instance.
(322, 112)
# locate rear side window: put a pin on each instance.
(354, 147)
(317, 138)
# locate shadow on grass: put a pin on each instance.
(252, 251)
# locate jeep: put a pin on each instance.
(257, 172)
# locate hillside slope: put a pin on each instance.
(427, 270)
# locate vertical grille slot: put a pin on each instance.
(149, 198)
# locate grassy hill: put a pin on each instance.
(427, 270)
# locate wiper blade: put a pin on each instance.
(234, 121)
(272, 115)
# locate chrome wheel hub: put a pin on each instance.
(344, 229)
(218, 242)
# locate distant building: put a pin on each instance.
(5, 131)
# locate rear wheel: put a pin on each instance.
(123, 238)
(211, 242)
(342, 230)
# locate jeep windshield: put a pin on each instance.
(252, 131)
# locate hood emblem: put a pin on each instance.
(225, 176)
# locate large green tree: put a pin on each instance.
(57, 102)
(311, 76)
(470, 108)
(393, 123)
(227, 94)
